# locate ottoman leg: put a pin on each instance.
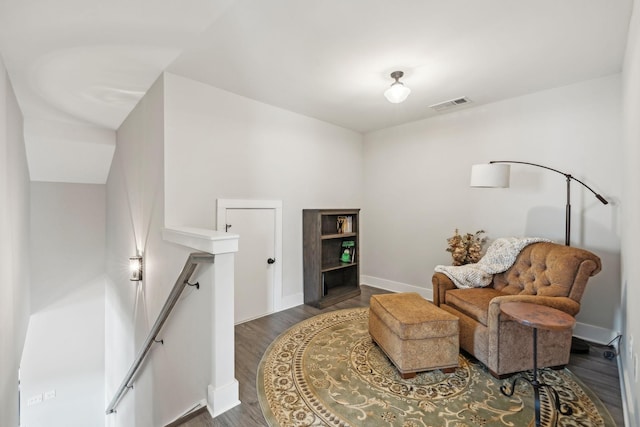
(407, 375)
(449, 370)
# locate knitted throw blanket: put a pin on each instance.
(500, 255)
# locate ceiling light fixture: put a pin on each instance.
(398, 92)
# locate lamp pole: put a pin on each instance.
(569, 178)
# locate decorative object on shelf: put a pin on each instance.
(344, 224)
(467, 248)
(135, 268)
(348, 250)
(493, 175)
(398, 92)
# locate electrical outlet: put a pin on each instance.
(34, 400)
(49, 394)
(630, 345)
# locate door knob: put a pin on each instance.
(271, 260)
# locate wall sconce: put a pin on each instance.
(135, 268)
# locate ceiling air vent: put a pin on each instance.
(446, 105)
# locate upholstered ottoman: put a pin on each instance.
(415, 334)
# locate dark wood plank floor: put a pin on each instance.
(253, 338)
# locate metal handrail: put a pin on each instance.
(183, 280)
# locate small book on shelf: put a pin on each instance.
(324, 287)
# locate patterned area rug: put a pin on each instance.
(326, 371)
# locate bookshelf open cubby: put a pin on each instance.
(328, 276)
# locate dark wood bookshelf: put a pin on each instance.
(328, 280)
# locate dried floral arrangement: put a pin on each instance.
(466, 248)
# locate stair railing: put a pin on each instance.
(193, 260)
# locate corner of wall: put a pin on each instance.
(14, 248)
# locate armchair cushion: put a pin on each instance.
(473, 302)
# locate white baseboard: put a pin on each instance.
(223, 398)
(198, 405)
(627, 394)
(288, 301)
(389, 285)
(593, 333)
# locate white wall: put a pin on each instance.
(417, 185)
(630, 222)
(176, 374)
(67, 239)
(64, 349)
(14, 248)
(64, 353)
(220, 145)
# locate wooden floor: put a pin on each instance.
(253, 338)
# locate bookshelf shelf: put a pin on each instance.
(329, 237)
(332, 267)
(337, 236)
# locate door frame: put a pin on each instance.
(221, 207)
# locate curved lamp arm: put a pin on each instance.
(567, 175)
(503, 178)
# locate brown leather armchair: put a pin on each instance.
(543, 273)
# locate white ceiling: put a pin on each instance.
(78, 67)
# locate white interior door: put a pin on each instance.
(255, 261)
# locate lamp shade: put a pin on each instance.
(490, 175)
(397, 93)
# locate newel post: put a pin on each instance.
(223, 389)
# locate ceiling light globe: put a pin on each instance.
(397, 93)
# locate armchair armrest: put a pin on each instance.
(564, 304)
(441, 284)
